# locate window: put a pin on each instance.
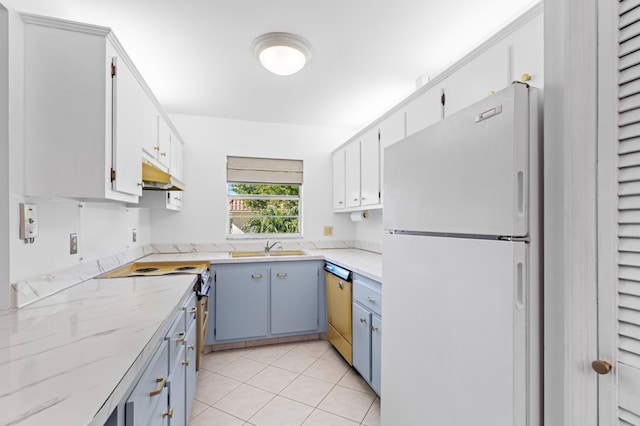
(264, 197)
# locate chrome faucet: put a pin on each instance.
(268, 247)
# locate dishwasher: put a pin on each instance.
(339, 288)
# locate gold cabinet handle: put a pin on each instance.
(371, 299)
(181, 336)
(601, 366)
(193, 310)
(168, 413)
(163, 154)
(178, 199)
(491, 93)
(355, 199)
(186, 362)
(139, 183)
(256, 275)
(362, 320)
(157, 148)
(340, 202)
(525, 77)
(162, 382)
(192, 347)
(374, 328)
(281, 274)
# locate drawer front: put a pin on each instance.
(191, 310)
(369, 297)
(150, 394)
(176, 336)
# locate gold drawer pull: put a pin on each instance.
(180, 338)
(192, 347)
(164, 154)
(168, 413)
(157, 148)
(374, 328)
(363, 320)
(162, 382)
(193, 310)
(256, 275)
(281, 274)
(186, 362)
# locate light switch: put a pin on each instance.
(328, 230)
(73, 243)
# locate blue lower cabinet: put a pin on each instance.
(191, 373)
(367, 330)
(266, 299)
(294, 297)
(177, 390)
(241, 295)
(376, 350)
(361, 326)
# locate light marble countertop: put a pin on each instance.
(362, 262)
(69, 358)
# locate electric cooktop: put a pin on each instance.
(152, 269)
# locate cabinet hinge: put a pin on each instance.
(378, 135)
(114, 70)
(113, 175)
(214, 331)
(215, 277)
(442, 99)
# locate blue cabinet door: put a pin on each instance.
(241, 302)
(362, 341)
(294, 297)
(376, 350)
(176, 384)
(191, 374)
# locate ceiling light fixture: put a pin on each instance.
(282, 53)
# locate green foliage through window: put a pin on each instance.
(263, 209)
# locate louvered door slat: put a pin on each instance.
(628, 330)
(629, 259)
(627, 5)
(629, 287)
(629, 244)
(629, 174)
(630, 60)
(629, 216)
(632, 102)
(629, 88)
(629, 18)
(630, 302)
(628, 45)
(630, 145)
(629, 117)
(625, 203)
(629, 188)
(628, 419)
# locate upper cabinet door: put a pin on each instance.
(370, 168)
(352, 174)
(131, 125)
(488, 72)
(339, 180)
(424, 110)
(163, 148)
(528, 52)
(177, 154)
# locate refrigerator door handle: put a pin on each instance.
(520, 280)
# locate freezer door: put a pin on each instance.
(466, 174)
(454, 347)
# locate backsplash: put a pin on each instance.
(27, 291)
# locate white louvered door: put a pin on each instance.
(626, 315)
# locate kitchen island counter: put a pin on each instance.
(70, 358)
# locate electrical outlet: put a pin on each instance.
(73, 243)
(328, 230)
(134, 235)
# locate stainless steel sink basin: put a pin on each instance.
(270, 253)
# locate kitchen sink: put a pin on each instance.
(270, 253)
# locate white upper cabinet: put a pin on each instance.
(89, 115)
(486, 73)
(392, 129)
(528, 52)
(177, 155)
(339, 180)
(370, 169)
(352, 174)
(424, 110)
(162, 150)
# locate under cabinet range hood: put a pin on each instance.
(154, 178)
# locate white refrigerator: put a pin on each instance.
(462, 269)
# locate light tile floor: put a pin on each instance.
(305, 383)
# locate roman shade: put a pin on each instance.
(264, 170)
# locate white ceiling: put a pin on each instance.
(196, 57)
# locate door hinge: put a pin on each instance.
(378, 135)
(214, 331)
(113, 175)
(442, 99)
(114, 70)
(215, 277)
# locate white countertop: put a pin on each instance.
(69, 358)
(362, 262)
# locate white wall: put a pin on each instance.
(208, 142)
(370, 229)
